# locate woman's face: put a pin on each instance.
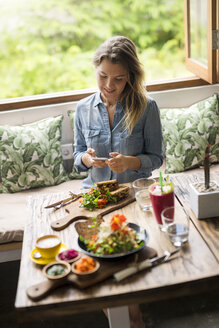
(111, 80)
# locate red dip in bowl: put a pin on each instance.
(69, 254)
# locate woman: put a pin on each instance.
(118, 122)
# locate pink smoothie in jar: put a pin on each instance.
(160, 201)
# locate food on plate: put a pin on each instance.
(102, 193)
(85, 264)
(88, 228)
(113, 237)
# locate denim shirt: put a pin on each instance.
(92, 130)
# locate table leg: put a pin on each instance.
(118, 317)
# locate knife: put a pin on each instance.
(136, 267)
(64, 202)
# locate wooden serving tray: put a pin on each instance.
(77, 213)
(107, 269)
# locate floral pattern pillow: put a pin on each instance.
(187, 132)
(74, 174)
(30, 155)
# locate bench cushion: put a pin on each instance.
(187, 132)
(30, 155)
(14, 212)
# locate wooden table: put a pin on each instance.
(195, 270)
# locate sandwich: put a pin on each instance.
(110, 185)
(117, 191)
(120, 193)
(103, 193)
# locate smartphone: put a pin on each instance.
(103, 159)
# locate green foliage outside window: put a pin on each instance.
(47, 46)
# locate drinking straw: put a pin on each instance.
(161, 182)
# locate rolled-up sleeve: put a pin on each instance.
(154, 151)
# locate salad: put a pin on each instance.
(95, 198)
(113, 237)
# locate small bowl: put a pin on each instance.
(48, 246)
(55, 266)
(68, 260)
(85, 274)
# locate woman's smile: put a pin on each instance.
(111, 80)
(109, 91)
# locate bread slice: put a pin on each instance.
(110, 185)
(87, 228)
(120, 193)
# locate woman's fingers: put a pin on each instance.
(116, 163)
(99, 164)
(114, 154)
(91, 152)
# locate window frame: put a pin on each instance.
(208, 73)
(63, 97)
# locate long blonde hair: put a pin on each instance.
(121, 50)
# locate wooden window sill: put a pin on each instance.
(68, 96)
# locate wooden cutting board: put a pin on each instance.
(106, 270)
(74, 212)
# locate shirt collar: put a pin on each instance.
(98, 101)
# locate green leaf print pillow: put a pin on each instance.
(187, 132)
(30, 155)
(74, 174)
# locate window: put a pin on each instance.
(200, 22)
(203, 65)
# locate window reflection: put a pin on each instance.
(198, 31)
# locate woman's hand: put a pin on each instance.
(117, 163)
(120, 163)
(88, 161)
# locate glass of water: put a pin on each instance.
(176, 225)
(142, 195)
